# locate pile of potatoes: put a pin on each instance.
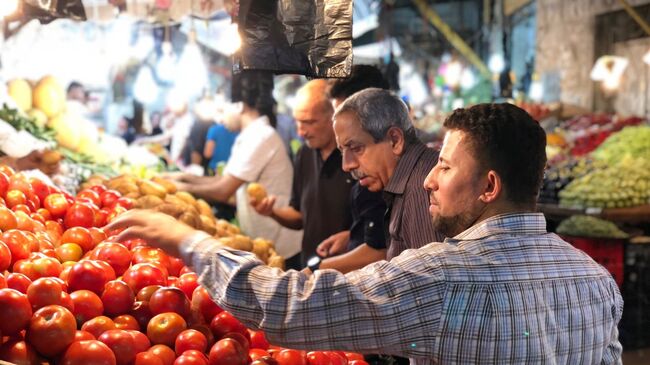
(162, 196)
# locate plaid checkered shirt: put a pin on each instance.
(503, 292)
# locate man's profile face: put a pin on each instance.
(372, 163)
(314, 122)
(455, 185)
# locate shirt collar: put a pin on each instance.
(510, 223)
(405, 164)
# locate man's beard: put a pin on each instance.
(452, 226)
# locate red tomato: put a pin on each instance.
(190, 340)
(237, 336)
(133, 243)
(18, 282)
(99, 189)
(124, 202)
(98, 234)
(80, 236)
(88, 352)
(90, 195)
(228, 352)
(87, 305)
(142, 342)
(116, 254)
(202, 301)
(7, 219)
(351, 356)
(121, 343)
(114, 213)
(337, 358)
(163, 328)
(24, 222)
(126, 322)
(145, 293)
(191, 358)
(82, 335)
(265, 360)
(147, 358)
(318, 358)
(8, 171)
(69, 252)
(44, 291)
(109, 198)
(258, 340)
(16, 311)
(164, 353)
(291, 357)
(187, 283)
(19, 352)
(140, 275)
(3, 282)
(98, 325)
(4, 183)
(5, 257)
(140, 311)
(46, 267)
(176, 264)
(169, 299)
(358, 362)
(41, 189)
(255, 354)
(117, 298)
(79, 215)
(15, 197)
(149, 254)
(224, 323)
(18, 244)
(90, 275)
(51, 330)
(56, 204)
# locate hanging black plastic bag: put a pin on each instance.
(308, 37)
(48, 10)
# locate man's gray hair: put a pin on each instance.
(378, 110)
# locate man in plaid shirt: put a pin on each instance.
(501, 291)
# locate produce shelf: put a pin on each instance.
(638, 214)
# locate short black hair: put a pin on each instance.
(362, 77)
(506, 139)
(74, 85)
(255, 89)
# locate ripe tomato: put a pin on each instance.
(202, 301)
(143, 254)
(337, 358)
(44, 291)
(142, 342)
(318, 358)
(5, 257)
(16, 311)
(169, 299)
(291, 357)
(40, 189)
(258, 340)
(46, 267)
(126, 322)
(124, 202)
(89, 195)
(116, 254)
(88, 352)
(109, 198)
(191, 358)
(18, 243)
(351, 356)
(358, 362)
(98, 234)
(140, 275)
(98, 325)
(80, 236)
(145, 293)
(190, 340)
(163, 352)
(187, 283)
(3, 282)
(147, 358)
(228, 352)
(18, 282)
(121, 343)
(87, 305)
(265, 360)
(79, 215)
(140, 311)
(7, 219)
(255, 354)
(98, 188)
(163, 328)
(56, 204)
(19, 352)
(176, 264)
(15, 197)
(69, 252)
(117, 298)
(51, 330)
(4, 183)
(224, 323)
(90, 275)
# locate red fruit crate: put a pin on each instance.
(608, 252)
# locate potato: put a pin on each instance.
(243, 242)
(191, 219)
(261, 248)
(186, 197)
(256, 192)
(170, 209)
(204, 208)
(169, 186)
(208, 224)
(148, 202)
(276, 261)
(126, 188)
(152, 188)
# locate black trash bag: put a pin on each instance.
(308, 37)
(48, 10)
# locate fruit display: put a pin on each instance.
(631, 142)
(71, 294)
(588, 226)
(558, 176)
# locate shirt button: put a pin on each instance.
(348, 181)
(371, 224)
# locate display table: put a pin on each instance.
(638, 214)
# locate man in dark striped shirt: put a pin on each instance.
(375, 134)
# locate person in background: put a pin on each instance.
(500, 290)
(320, 197)
(258, 155)
(205, 113)
(288, 132)
(156, 120)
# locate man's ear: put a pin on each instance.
(493, 188)
(397, 141)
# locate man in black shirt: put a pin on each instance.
(320, 201)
